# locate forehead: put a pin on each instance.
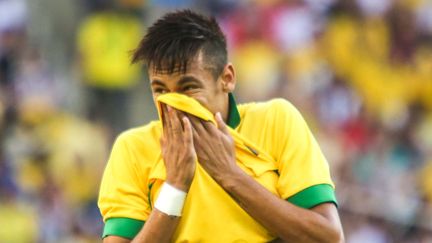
(196, 68)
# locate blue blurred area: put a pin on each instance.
(360, 71)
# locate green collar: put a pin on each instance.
(233, 113)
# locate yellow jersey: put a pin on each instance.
(293, 168)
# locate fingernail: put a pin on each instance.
(218, 115)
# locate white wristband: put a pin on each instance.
(170, 200)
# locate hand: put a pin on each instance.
(214, 147)
(178, 149)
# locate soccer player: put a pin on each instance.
(212, 170)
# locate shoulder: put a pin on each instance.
(274, 108)
(140, 142)
(142, 133)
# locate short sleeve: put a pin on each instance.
(304, 174)
(123, 196)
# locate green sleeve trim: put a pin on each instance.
(314, 195)
(123, 227)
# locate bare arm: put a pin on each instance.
(215, 149)
(289, 222)
(158, 228)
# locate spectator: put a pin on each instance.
(105, 39)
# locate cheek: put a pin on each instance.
(155, 98)
(203, 100)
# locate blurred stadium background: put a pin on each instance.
(360, 71)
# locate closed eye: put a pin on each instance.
(158, 87)
(159, 90)
(190, 87)
(189, 84)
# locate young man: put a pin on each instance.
(212, 171)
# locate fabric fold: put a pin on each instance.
(254, 160)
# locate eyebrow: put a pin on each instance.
(183, 80)
(157, 82)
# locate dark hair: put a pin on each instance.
(177, 38)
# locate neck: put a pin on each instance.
(225, 112)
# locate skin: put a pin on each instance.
(185, 137)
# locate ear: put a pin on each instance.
(228, 78)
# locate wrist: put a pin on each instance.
(230, 179)
(170, 200)
(179, 184)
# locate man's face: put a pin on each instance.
(198, 82)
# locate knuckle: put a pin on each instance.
(177, 132)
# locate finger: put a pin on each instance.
(176, 126)
(209, 127)
(188, 134)
(221, 124)
(164, 114)
(180, 116)
(196, 124)
(166, 122)
(196, 136)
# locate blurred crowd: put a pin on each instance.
(360, 71)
